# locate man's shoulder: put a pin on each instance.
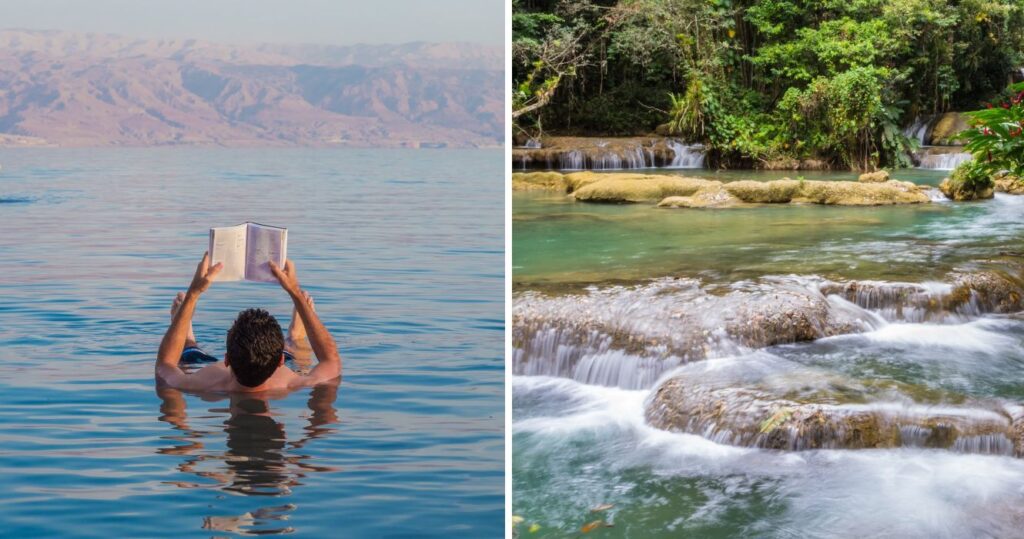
(215, 376)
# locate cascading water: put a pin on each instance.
(610, 154)
(572, 160)
(686, 155)
(883, 400)
(941, 161)
(918, 129)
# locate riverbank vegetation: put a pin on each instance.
(996, 142)
(761, 81)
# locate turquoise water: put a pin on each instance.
(557, 241)
(599, 291)
(402, 251)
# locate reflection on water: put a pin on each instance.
(259, 459)
(402, 251)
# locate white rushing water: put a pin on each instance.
(918, 129)
(686, 155)
(617, 155)
(666, 484)
(941, 160)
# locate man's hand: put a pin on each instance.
(204, 275)
(289, 281)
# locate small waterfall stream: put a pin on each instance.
(918, 129)
(686, 155)
(610, 154)
(941, 157)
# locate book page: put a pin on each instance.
(264, 244)
(227, 245)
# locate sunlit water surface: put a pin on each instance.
(402, 251)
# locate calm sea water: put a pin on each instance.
(402, 251)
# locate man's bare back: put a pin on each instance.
(305, 333)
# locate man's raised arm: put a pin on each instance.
(326, 351)
(173, 342)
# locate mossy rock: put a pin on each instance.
(773, 192)
(947, 127)
(751, 417)
(1009, 184)
(955, 190)
(877, 176)
(534, 181)
(708, 197)
(862, 194)
(621, 188)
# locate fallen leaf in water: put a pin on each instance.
(516, 519)
(587, 528)
(778, 418)
(534, 528)
(602, 507)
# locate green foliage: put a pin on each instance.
(764, 79)
(687, 115)
(970, 177)
(996, 136)
(615, 112)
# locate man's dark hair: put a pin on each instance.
(255, 345)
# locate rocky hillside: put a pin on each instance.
(101, 90)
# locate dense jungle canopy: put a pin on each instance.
(754, 80)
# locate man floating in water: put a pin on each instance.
(256, 352)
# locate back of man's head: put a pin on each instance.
(255, 345)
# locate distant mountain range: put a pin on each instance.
(72, 89)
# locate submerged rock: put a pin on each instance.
(874, 177)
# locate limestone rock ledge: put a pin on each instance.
(683, 192)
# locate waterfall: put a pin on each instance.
(532, 144)
(686, 155)
(942, 161)
(918, 130)
(572, 160)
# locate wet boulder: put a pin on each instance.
(752, 417)
(960, 191)
(989, 291)
(678, 320)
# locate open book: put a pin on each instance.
(246, 249)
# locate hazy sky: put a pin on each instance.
(340, 22)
